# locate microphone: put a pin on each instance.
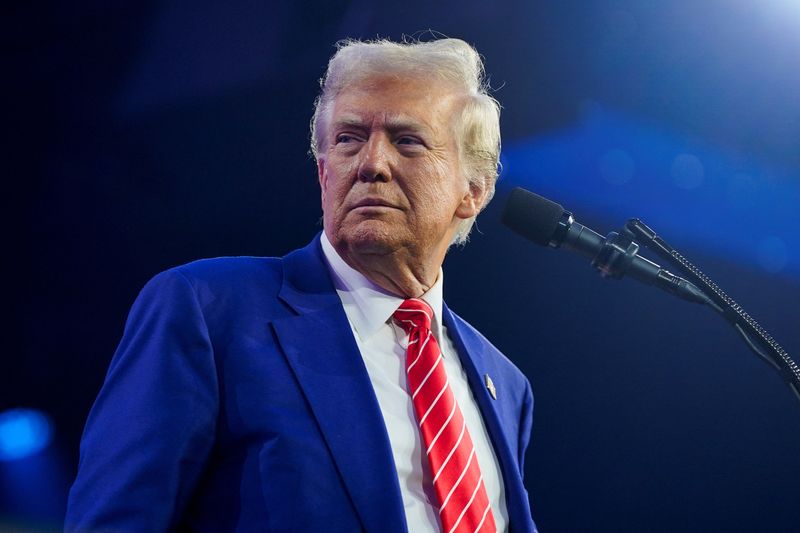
(548, 224)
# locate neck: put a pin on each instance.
(400, 272)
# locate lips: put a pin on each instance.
(373, 202)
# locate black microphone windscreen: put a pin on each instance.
(532, 216)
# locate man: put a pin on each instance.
(329, 390)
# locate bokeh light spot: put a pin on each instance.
(687, 171)
(23, 432)
(773, 254)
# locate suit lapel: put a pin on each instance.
(320, 348)
(477, 362)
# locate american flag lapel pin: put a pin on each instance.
(490, 386)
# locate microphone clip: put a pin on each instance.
(616, 255)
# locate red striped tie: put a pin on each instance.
(457, 480)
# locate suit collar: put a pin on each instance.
(477, 362)
(307, 285)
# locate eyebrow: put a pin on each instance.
(349, 121)
(394, 124)
(405, 123)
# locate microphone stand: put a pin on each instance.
(612, 259)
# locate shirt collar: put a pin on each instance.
(367, 305)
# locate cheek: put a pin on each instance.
(341, 171)
(336, 183)
(441, 187)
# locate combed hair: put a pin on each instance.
(451, 60)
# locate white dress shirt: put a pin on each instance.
(383, 345)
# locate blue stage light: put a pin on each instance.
(23, 432)
(698, 196)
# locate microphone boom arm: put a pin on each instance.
(756, 337)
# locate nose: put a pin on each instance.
(375, 164)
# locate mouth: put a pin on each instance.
(373, 203)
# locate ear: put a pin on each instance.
(472, 202)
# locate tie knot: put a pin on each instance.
(413, 313)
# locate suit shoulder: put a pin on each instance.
(222, 269)
(221, 279)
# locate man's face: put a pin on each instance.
(390, 174)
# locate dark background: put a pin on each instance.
(147, 134)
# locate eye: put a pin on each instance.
(345, 138)
(409, 140)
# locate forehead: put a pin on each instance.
(397, 100)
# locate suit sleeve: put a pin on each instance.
(152, 427)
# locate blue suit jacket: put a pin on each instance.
(238, 401)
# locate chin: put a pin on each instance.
(372, 238)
